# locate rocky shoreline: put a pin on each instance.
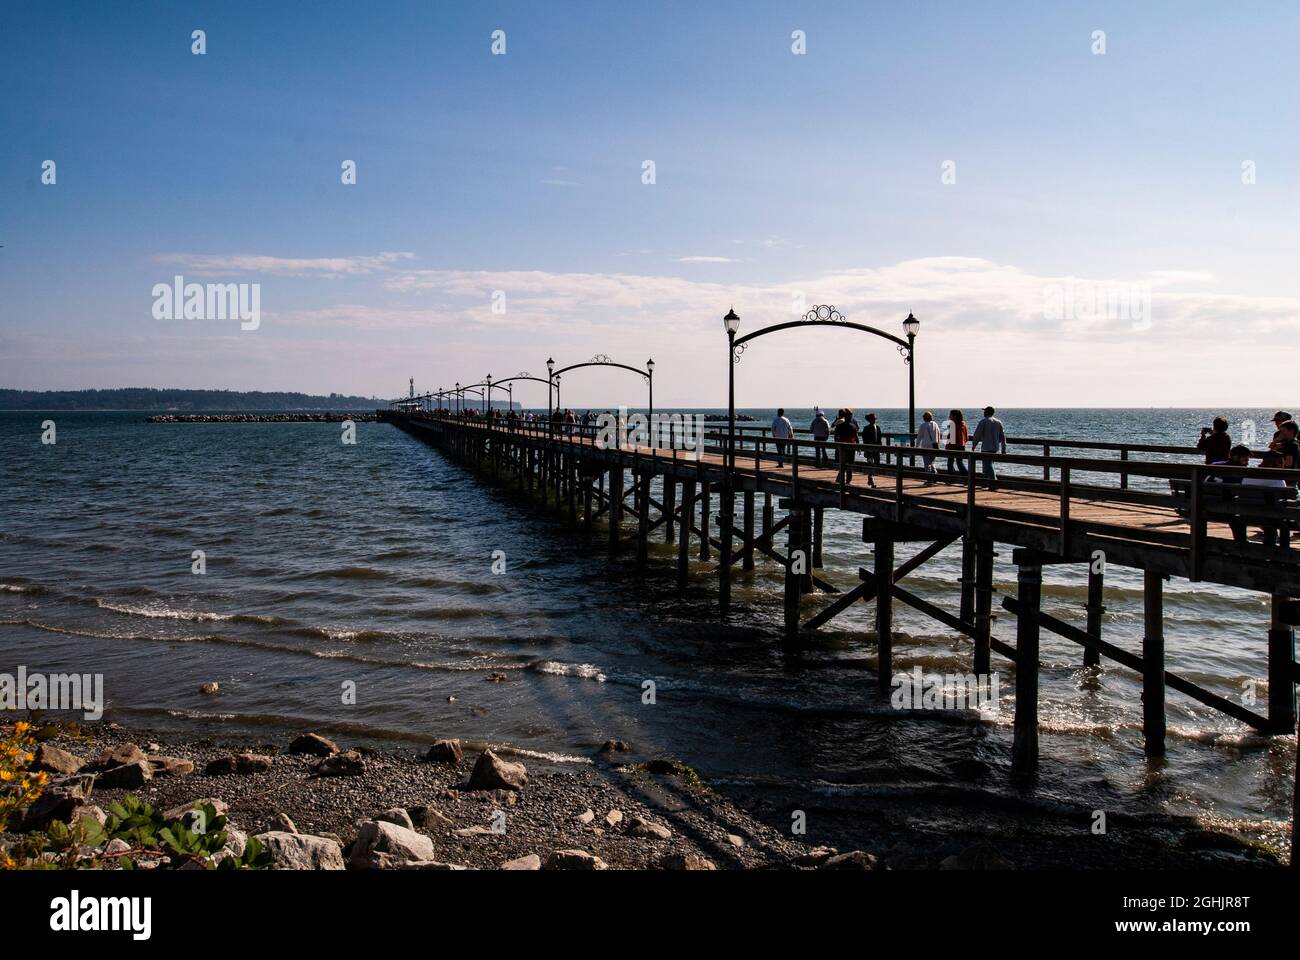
(316, 804)
(358, 417)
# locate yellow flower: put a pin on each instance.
(6, 775)
(22, 726)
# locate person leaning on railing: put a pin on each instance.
(820, 429)
(846, 439)
(927, 438)
(872, 436)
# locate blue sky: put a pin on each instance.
(780, 179)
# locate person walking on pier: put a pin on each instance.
(1215, 442)
(782, 430)
(872, 436)
(927, 438)
(989, 437)
(846, 440)
(820, 429)
(956, 440)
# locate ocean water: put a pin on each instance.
(331, 567)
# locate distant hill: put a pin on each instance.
(189, 401)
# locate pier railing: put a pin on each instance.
(1212, 511)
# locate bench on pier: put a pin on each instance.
(1239, 504)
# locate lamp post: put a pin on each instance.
(487, 414)
(550, 377)
(731, 323)
(650, 379)
(911, 326)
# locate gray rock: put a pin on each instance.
(574, 860)
(313, 744)
(116, 847)
(53, 760)
(445, 751)
(347, 764)
(686, 861)
(170, 766)
(735, 840)
(428, 818)
(282, 822)
(853, 860)
(475, 831)
(492, 773)
(398, 816)
(184, 812)
(236, 840)
(815, 857)
(61, 800)
(94, 813)
(129, 776)
(299, 851)
(531, 862)
(238, 763)
(210, 688)
(116, 757)
(378, 839)
(614, 746)
(587, 816)
(613, 818)
(641, 827)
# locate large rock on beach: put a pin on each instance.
(379, 842)
(445, 751)
(238, 763)
(53, 760)
(116, 757)
(62, 800)
(129, 776)
(492, 773)
(313, 744)
(349, 764)
(574, 860)
(300, 851)
(170, 766)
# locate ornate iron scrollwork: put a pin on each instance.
(601, 358)
(824, 313)
(736, 352)
(905, 352)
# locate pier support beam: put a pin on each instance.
(884, 569)
(684, 540)
(643, 518)
(615, 507)
(795, 560)
(669, 509)
(967, 609)
(727, 519)
(747, 555)
(817, 537)
(705, 499)
(1024, 748)
(983, 606)
(1153, 663)
(1281, 670)
(1096, 607)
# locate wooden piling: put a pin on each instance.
(705, 500)
(684, 539)
(747, 557)
(792, 579)
(817, 537)
(983, 605)
(615, 507)
(643, 519)
(884, 569)
(967, 609)
(1153, 663)
(1282, 674)
(1095, 608)
(727, 519)
(1024, 747)
(669, 508)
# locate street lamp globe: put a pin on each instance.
(911, 325)
(731, 321)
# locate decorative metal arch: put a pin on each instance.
(821, 315)
(602, 360)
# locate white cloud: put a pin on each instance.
(218, 264)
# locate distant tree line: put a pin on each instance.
(148, 398)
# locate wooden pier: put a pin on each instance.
(1087, 512)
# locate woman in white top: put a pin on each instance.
(927, 438)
